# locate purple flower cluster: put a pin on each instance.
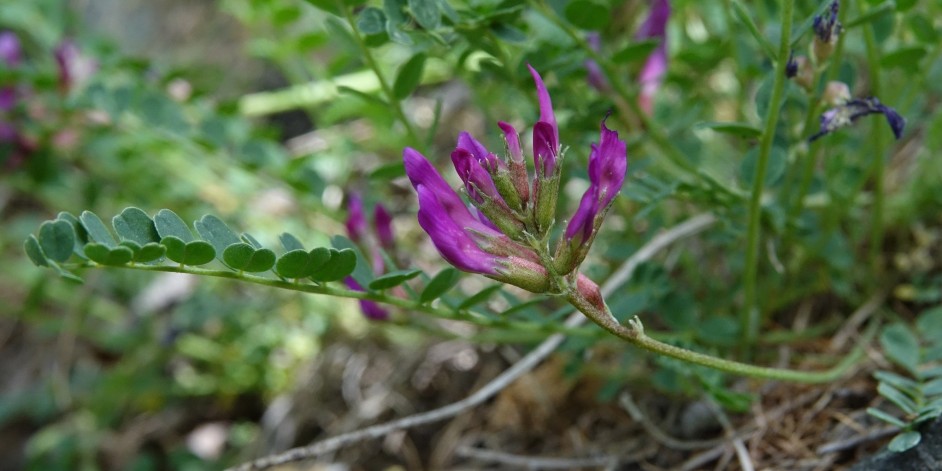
(357, 231)
(511, 213)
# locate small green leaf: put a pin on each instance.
(81, 236)
(427, 13)
(929, 324)
(901, 346)
(482, 296)
(320, 256)
(636, 51)
(886, 417)
(923, 29)
(394, 278)
(905, 385)
(897, 397)
(35, 254)
(248, 239)
(588, 15)
(906, 58)
(389, 171)
(194, 253)
(340, 265)
(295, 264)
(363, 272)
(290, 242)
(244, 257)
(134, 224)
(105, 255)
(736, 129)
(97, 232)
(149, 252)
(169, 224)
(371, 21)
(933, 388)
(57, 240)
(440, 284)
(904, 441)
(775, 167)
(409, 76)
(216, 232)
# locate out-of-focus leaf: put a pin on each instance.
(57, 239)
(393, 279)
(409, 76)
(901, 346)
(440, 284)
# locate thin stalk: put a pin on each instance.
(394, 102)
(634, 334)
(879, 166)
(750, 316)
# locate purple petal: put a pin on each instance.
(656, 23)
(583, 220)
(452, 241)
(651, 77)
(421, 172)
(356, 221)
(370, 309)
(470, 144)
(547, 116)
(382, 222)
(10, 51)
(608, 163)
(476, 180)
(513, 141)
(544, 148)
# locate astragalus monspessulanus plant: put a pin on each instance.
(505, 234)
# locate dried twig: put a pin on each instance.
(853, 442)
(527, 363)
(535, 462)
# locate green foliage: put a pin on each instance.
(918, 395)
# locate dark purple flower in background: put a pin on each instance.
(655, 67)
(850, 111)
(382, 224)
(594, 74)
(356, 220)
(370, 309)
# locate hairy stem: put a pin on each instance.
(750, 316)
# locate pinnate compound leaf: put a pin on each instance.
(440, 284)
(34, 252)
(105, 255)
(340, 265)
(169, 224)
(904, 441)
(195, 252)
(901, 346)
(97, 231)
(290, 242)
(57, 240)
(216, 232)
(392, 279)
(244, 257)
(409, 76)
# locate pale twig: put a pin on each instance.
(659, 435)
(527, 363)
(853, 442)
(535, 462)
(742, 454)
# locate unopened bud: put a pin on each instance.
(836, 93)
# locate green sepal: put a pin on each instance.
(545, 208)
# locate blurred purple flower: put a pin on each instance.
(10, 51)
(74, 67)
(370, 309)
(356, 220)
(382, 224)
(652, 73)
(594, 74)
(846, 113)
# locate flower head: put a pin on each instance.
(846, 113)
(499, 236)
(827, 29)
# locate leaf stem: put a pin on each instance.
(395, 103)
(634, 334)
(879, 165)
(750, 315)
